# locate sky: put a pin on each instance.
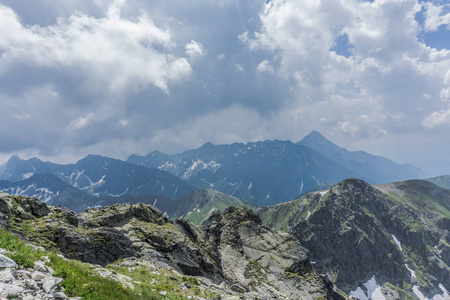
(116, 77)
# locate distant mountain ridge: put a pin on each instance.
(96, 175)
(376, 169)
(264, 172)
(442, 181)
(270, 172)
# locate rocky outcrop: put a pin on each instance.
(233, 254)
(363, 237)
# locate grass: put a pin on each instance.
(82, 281)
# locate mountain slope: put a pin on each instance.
(263, 172)
(232, 257)
(54, 191)
(45, 187)
(392, 239)
(442, 181)
(102, 176)
(377, 169)
(198, 206)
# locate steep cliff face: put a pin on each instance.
(234, 250)
(368, 241)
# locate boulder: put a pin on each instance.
(6, 262)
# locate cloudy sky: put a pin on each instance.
(116, 77)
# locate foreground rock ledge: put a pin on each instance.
(233, 250)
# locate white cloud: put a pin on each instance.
(436, 119)
(240, 68)
(434, 16)
(386, 75)
(84, 121)
(221, 56)
(265, 66)
(112, 53)
(194, 48)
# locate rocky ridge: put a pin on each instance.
(390, 242)
(232, 256)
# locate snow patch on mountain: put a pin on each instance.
(166, 166)
(118, 195)
(43, 194)
(199, 165)
(397, 242)
(317, 180)
(373, 291)
(27, 175)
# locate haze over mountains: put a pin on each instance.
(264, 173)
(270, 172)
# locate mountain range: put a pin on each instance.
(94, 175)
(263, 173)
(270, 172)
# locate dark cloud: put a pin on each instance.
(122, 77)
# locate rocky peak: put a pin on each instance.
(233, 216)
(114, 215)
(357, 233)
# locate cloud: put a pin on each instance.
(82, 122)
(435, 16)
(111, 53)
(436, 118)
(122, 77)
(265, 66)
(194, 48)
(385, 75)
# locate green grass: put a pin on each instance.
(82, 281)
(21, 253)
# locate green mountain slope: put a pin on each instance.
(198, 206)
(442, 181)
(393, 238)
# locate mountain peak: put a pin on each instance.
(207, 145)
(14, 158)
(315, 135)
(317, 141)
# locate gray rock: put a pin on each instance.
(163, 293)
(185, 286)
(59, 295)
(6, 275)
(39, 266)
(49, 270)
(36, 275)
(238, 288)
(31, 284)
(48, 285)
(6, 262)
(11, 290)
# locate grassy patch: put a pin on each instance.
(82, 281)
(151, 283)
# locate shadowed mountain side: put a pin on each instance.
(393, 237)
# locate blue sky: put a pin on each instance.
(121, 77)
